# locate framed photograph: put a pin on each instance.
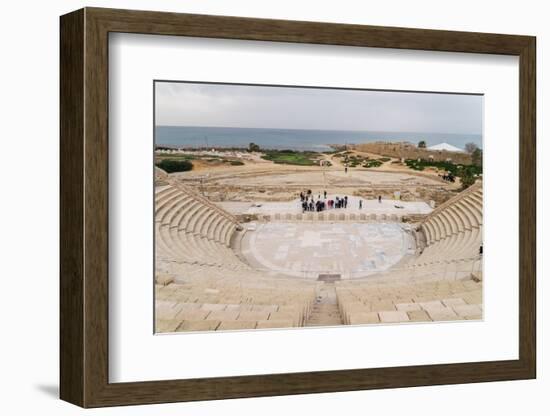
(255, 207)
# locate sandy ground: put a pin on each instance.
(261, 180)
(255, 165)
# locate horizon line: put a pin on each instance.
(336, 130)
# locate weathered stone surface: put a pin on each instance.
(359, 318)
(280, 323)
(442, 314)
(207, 325)
(236, 325)
(167, 325)
(253, 316)
(469, 311)
(453, 302)
(418, 316)
(223, 315)
(407, 307)
(393, 316)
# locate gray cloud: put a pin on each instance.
(221, 105)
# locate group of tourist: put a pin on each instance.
(309, 203)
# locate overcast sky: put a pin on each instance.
(221, 105)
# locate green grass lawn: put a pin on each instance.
(175, 156)
(189, 157)
(290, 157)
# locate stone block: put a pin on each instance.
(253, 316)
(235, 307)
(418, 316)
(393, 316)
(223, 315)
(167, 325)
(407, 307)
(469, 311)
(473, 298)
(286, 316)
(264, 308)
(280, 323)
(451, 302)
(434, 304)
(236, 325)
(442, 314)
(213, 306)
(383, 305)
(359, 318)
(207, 325)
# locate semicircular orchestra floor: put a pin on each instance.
(310, 249)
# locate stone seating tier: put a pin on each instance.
(185, 230)
(238, 302)
(368, 303)
(203, 285)
(453, 232)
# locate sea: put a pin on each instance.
(278, 139)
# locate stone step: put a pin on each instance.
(325, 311)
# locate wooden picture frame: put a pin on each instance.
(84, 207)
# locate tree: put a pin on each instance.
(253, 147)
(477, 157)
(467, 180)
(470, 147)
(422, 144)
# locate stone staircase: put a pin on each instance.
(325, 311)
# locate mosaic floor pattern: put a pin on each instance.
(309, 249)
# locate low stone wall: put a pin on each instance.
(330, 216)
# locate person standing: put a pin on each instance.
(360, 204)
(379, 199)
(325, 193)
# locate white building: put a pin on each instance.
(446, 146)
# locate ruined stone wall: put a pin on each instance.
(420, 193)
(408, 150)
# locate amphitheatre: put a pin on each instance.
(235, 249)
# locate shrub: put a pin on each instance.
(467, 181)
(372, 164)
(236, 163)
(455, 170)
(171, 166)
